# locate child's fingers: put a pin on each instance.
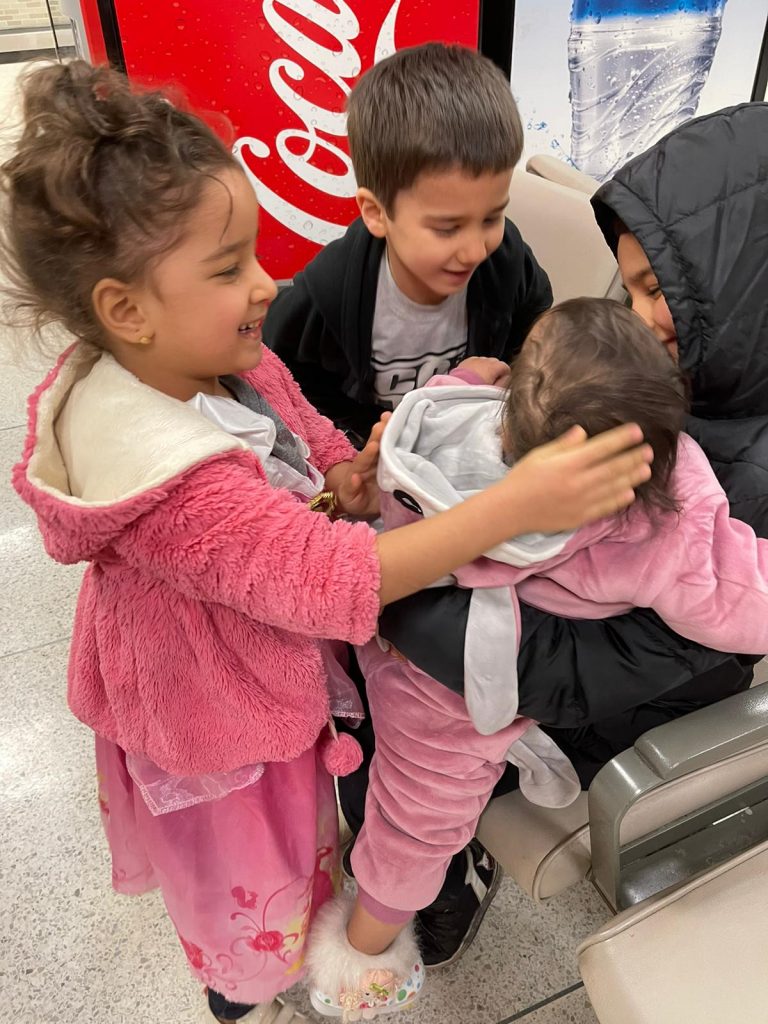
(611, 504)
(571, 439)
(353, 491)
(502, 375)
(612, 489)
(368, 458)
(612, 443)
(628, 470)
(376, 431)
(597, 449)
(378, 428)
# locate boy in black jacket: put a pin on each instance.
(432, 271)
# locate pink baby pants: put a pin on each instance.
(430, 779)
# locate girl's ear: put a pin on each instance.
(119, 310)
(373, 213)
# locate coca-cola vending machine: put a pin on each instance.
(279, 71)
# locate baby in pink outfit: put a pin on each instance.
(438, 756)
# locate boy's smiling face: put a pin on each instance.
(440, 229)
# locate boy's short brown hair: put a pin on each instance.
(594, 363)
(431, 108)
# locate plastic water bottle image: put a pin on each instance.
(637, 70)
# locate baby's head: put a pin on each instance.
(434, 135)
(594, 363)
(105, 186)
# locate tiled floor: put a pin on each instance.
(73, 951)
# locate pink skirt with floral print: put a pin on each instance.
(241, 876)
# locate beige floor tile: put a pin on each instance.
(37, 596)
(16, 384)
(74, 951)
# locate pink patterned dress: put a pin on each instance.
(242, 875)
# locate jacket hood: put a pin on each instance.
(697, 202)
(441, 446)
(94, 459)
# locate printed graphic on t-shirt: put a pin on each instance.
(395, 377)
(411, 342)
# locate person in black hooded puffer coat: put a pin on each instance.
(697, 206)
(688, 221)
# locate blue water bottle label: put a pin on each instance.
(596, 10)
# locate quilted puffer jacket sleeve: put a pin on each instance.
(223, 535)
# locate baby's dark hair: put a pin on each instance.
(99, 185)
(593, 362)
(430, 108)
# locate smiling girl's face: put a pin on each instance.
(204, 301)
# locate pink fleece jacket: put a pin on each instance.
(197, 632)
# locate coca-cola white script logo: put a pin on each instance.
(341, 66)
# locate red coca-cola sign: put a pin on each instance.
(280, 71)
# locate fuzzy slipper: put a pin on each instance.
(354, 986)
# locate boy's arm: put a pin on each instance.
(534, 298)
(296, 331)
(514, 280)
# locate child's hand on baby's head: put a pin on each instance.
(572, 481)
(490, 371)
(354, 483)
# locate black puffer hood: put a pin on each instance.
(697, 202)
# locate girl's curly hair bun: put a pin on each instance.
(100, 183)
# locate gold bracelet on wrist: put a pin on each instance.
(324, 502)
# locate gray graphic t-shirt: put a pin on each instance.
(411, 342)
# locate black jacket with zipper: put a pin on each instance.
(322, 325)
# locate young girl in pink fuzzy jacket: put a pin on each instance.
(173, 453)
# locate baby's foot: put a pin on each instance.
(354, 986)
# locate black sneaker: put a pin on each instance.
(223, 1010)
(346, 861)
(447, 928)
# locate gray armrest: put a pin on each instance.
(553, 169)
(699, 740)
(708, 735)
